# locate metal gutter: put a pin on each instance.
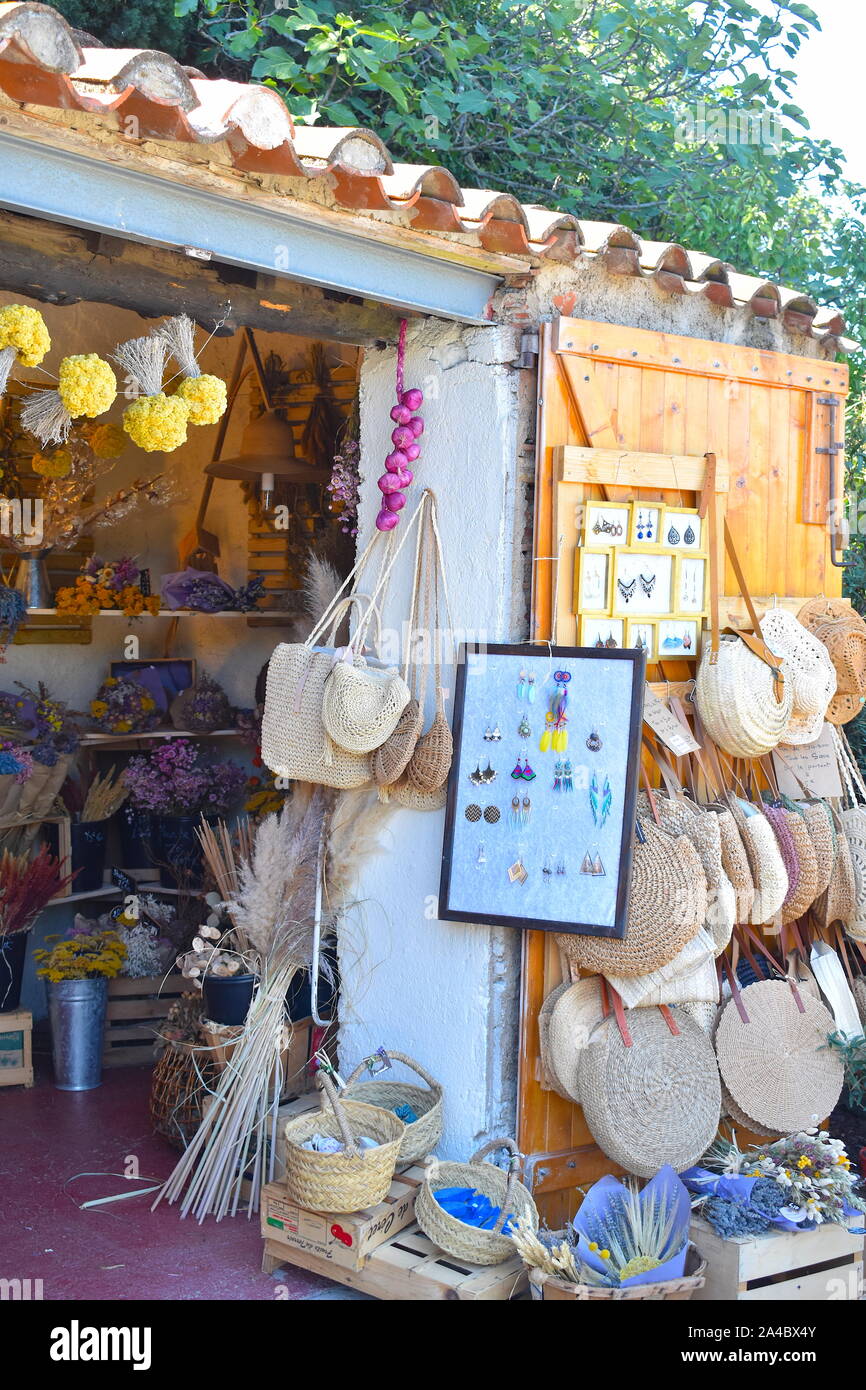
(67, 187)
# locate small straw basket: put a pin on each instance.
(503, 1189)
(423, 1134)
(347, 1181)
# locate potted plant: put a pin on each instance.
(78, 968)
(26, 886)
(178, 784)
(91, 810)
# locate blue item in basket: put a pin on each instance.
(471, 1207)
(406, 1114)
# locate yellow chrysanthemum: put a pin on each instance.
(206, 397)
(107, 441)
(56, 465)
(23, 329)
(87, 384)
(98, 708)
(157, 423)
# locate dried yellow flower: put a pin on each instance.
(157, 423)
(87, 384)
(206, 397)
(23, 329)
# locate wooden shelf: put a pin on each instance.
(253, 615)
(94, 740)
(110, 890)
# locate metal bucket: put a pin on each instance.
(77, 1009)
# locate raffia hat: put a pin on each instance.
(657, 1101)
(843, 632)
(808, 669)
(576, 1014)
(667, 907)
(777, 1066)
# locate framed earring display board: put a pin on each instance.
(539, 821)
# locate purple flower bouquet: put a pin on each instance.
(178, 780)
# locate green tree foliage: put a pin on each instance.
(139, 24)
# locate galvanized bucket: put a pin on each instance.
(77, 1009)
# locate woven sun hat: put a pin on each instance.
(735, 863)
(843, 632)
(667, 907)
(808, 669)
(765, 860)
(819, 823)
(689, 977)
(738, 699)
(549, 1080)
(657, 1101)
(575, 1016)
(778, 1067)
(361, 705)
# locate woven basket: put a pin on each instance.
(501, 1188)
(361, 705)
(777, 1066)
(179, 1082)
(574, 1017)
(388, 762)
(656, 1101)
(667, 907)
(422, 1136)
(838, 904)
(765, 862)
(853, 824)
(347, 1181)
(739, 1117)
(547, 1286)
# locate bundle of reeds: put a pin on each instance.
(105, 796)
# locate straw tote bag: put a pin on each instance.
(667, 907)
(765, 860)
(689, 978)
(548, 1080)
(680, 816)
(427, 769)
(575, 1015)
(650, 1090)
(422, 1134)
(388, 761)
(353, 1178)
(741, 693)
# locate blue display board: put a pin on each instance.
(541, 798)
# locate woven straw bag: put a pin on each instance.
(774, 1060)
(799, 901)
(739, 1117)
(575, 1015)
(388, 761)
(361, 705)
(295, 742)
(650, 1090)
(546, 1286)
(778, 818)
(682, 817)
(819, 823)
(735, 863)
(422, 1136)
(503, 1190)
(839, 902)
(412, 799)
(667, 907)
(350, 1180)
(427, 769)
(689, 978)
(808, 668)
(765, 860)
(843, 632)
(741, 693)
(852, 820)
(859, 992)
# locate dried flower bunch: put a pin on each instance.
(86, 386)
(123, 707)
(811, 1170)
(179, 779)
(23, 338)
(111, 584)
(157, 421)
(48, 727)
(203, 707)
(26, 886)
(81, 956)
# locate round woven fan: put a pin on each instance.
(778, 1067)
(667, 907)
(657, 1101)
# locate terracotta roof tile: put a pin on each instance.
(43, 62)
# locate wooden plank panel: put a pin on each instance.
(662, 471)
(674, 422)
(668, 352)
(587, 398)
(753, 540)
(652, 412)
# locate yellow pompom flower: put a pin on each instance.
(107, 441)
(56, 465)
(206, 397)
(87, 384)
(23, 329)
(157, 423)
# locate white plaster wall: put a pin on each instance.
(444, 992)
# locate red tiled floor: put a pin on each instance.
(124, 1251)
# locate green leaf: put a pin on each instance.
(384, 79)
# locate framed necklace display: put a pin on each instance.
(558, 856)
(643, 583)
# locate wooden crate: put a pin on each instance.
(824, 1265)
(337, 1238)
(410, 1268)
(16, 1057)
(136, 1008)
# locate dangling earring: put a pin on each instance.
(524, 729)
(593, 743)
(488, 775)
(640, 526)
(496, 736)
(481, 858)
(518, 770)
(530, 694)
(649, 526)
(547, 872)
(525, 812)
(689, 536)
(567, 783)
(521, 686)
(476, 777)
(515, 812)
(557, 776)
(528, 774)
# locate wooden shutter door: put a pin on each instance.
(633, 396)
